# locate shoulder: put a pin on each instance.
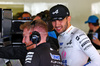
(80, 36)
(78, 33)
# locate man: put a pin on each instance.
(94, 30)
(52, 34)
(26, 16)
(39, 53)
(75, 46)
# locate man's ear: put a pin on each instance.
(69, 18)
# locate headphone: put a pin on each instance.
(35, 37)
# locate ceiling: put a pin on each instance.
(47, 1)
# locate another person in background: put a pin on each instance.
(94, 30)
(26, 16)
(75, 46)
(52, 34)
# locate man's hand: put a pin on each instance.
(96, 40)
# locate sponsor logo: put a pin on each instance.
(86, 42)
(77, 38)
(63, 54)
(55, 12)
(61, 43)
(29, 57)
(83, 39)
(87, 46)
(55, 57)
(64, 62)
(72, 32)
(69, 43)
(81, 35)
(56, 62)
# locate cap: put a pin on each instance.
(59, 12)
(92, 19)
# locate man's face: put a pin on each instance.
(26, 16)
(90, 26)
(60, 25)
(26, 39)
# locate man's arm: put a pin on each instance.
(10, 52)
(90, 50)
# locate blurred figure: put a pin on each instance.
(26, 16)
(94, 30)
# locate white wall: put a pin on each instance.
(80, 9)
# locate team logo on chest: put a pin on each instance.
(69, 44)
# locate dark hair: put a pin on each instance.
(97, 23)
(44, 15)
(25, 13)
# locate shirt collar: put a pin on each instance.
(68, 31)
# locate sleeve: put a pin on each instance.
(10, 52)
(87, 47)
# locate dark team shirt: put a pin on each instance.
(43, 55)
(90, 35)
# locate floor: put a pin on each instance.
(14, 62)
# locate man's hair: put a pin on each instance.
(25, 25)
(38, 23)
(97, 23)
(44, 15)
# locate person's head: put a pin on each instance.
(92, 21)
(60, 17)
(26, 16)
(29, 28)
(45, 16)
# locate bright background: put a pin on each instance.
(80, 9)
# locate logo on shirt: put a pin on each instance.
(29, 57)
(55, 57)
(69, 43)
(63, 55)
(86, 42)
(64, 62)
(61, 43)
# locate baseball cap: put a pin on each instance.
(59, 12)
(92, 19)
